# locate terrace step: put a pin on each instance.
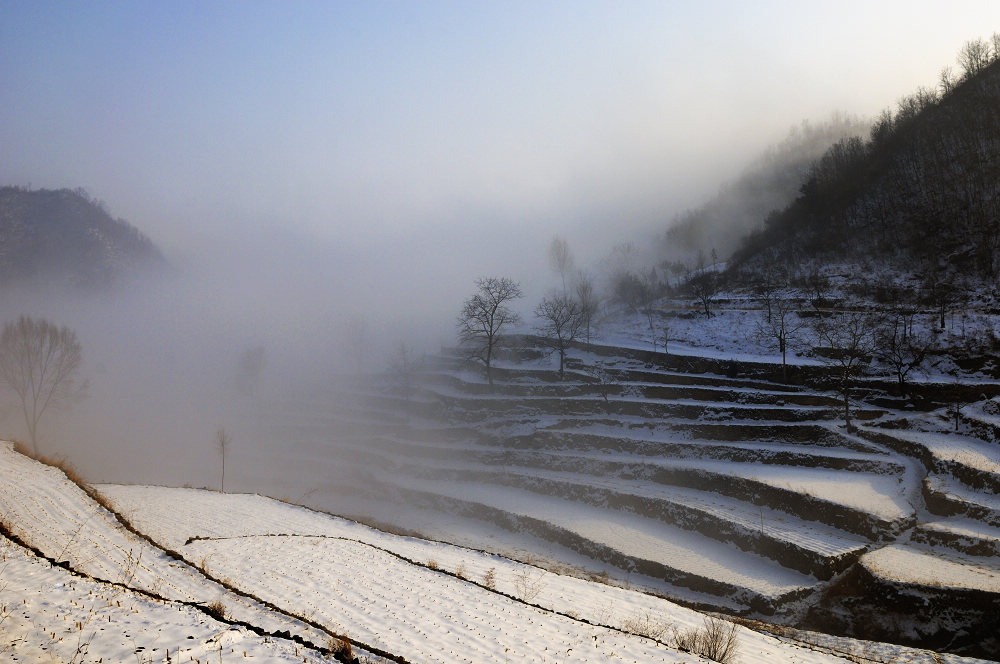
(707, 392)
(629, 542)
(471, 408)
(732, 480)
(969, 460)
(627, 458)
(945, 496)
(964, 535)
(813, 433)
(740, 451)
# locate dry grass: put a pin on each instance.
(527, 586)
(716, 640)
(490, 578)
(340, 648)
(216, 609)
(644, 624)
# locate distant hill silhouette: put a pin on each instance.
(64, 236)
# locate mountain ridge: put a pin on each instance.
(67, 237)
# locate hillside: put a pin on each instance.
(66, 237)
(216, 576)
(770, 183)
(696, 474)
(916, 206)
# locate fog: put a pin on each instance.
(314, 170)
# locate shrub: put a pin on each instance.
(216, 609)
(526, 586)
(645, 625)
(716, 640)
(490, 578)
(340, 648)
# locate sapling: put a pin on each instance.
(222, 442)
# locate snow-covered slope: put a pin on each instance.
(431, 600)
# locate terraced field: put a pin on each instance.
(693, 477)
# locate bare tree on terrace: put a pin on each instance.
(848, 341)
(904, 351)
(40, 362)
(484, 316)
(780, 326)
(561, 322)
(704, 286)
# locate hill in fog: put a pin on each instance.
(68, 238)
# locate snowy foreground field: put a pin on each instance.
(212, 577)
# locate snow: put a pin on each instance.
(634, 536)
(49, 614)
(372, 586)
(933, 566)
(51, 513)
(312, 568)
(954, 447)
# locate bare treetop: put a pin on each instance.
(560, 258)
(562, 319)
(485, 314)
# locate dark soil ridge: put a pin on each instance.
(578, 456)
(521, 523)
(861, 605)
(749, 538)
(971, 476)
(471, 409)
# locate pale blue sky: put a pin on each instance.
(353, 120)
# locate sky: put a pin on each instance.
(361, 122)
(314, 165)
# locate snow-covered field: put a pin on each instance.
(367, 583)
(424, 601)
(51, 615)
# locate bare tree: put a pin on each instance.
(667, 336)
(704, 286)
(649, 293)
(848, 342)
(561, 322)
(903, 351)
(40, 362)
(561, 259)
(587, 299)
(766, 282)
(603, 378)
(974, 57)
(222, 442)
(249, 367)
(485, 315)
(403, 368)
(779, 326)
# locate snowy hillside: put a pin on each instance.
(695, 474)
(412, 599)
